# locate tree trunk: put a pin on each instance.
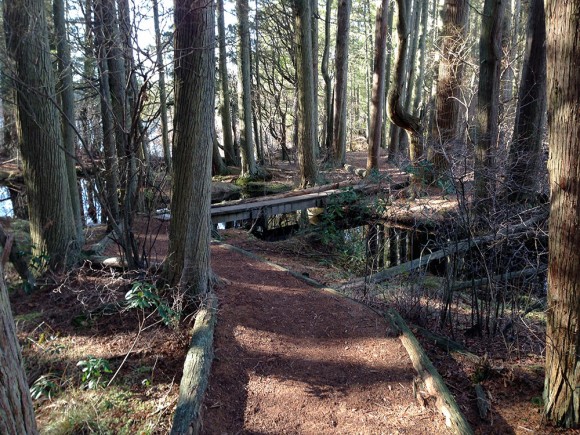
(245, 90)
(487, 105)
(327, 81)
(340, 89)
(52, 225)
(162, 90)
(378, 92)
(16, 407)
(306, 106)
(67, 103)
(229, 153)
(395, 108)
(189, 235)
(526, 147)
(449, 78)
(562, 384)
(109, 145)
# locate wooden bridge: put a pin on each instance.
(279, 204)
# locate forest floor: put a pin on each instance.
(289, 358)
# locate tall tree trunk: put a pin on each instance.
(52, 225)
(562, 384)
(162, 90)
(229, 153)
(487, 105)
(314, 38)
(378, 92)
(67, 103)
(306, 106)
(395, 109)
(109, 144)
(341, 79)
(449, 78)
(389, 54)
(189, 235)
(16, 407)
(420, 86)
(327, 81)
(526, 147)
(245, 90)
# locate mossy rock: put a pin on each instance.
(224, 191)
(262, 188)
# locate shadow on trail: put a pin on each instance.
(276, 332)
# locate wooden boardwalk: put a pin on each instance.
(263, 208)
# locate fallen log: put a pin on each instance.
(447, 344)
(452, 248)
(524, 273)
(186, 419)
(432, 380)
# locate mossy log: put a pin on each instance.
(434, 384)
(187, 419)
(482, 402)
(447, 344)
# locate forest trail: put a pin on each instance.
(290, 358)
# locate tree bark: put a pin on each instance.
(395, 108)
(306, 106)
(16, 410)
(449, 78)
(562, 383)
(245, 90)
(327, 81)
(52, 225)
(487, 118)
(341, 79)
(526, 147)
(162, 90)
(189, 236)
(226, 113)
(378, 90)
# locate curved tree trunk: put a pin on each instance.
(378, 91)
(189, 235)
(395, 109)
(52, 225)
(562, 384)
(16, 410)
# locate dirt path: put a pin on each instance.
(293, 359)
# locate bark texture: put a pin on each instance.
(16, 410)
(562, 385)
(340, 89)
(67, 103)
(487, 118)
(526, 147)
(306, 106)
(229, 153)
(245, 89)
(397, 113)
(449, 78)
(188, 263)
(162, 90)
(378, 90)
(52, 226)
